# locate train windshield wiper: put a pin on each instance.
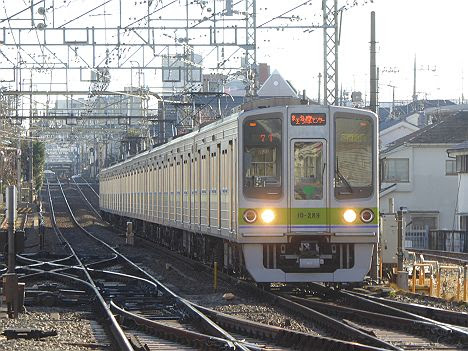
(342, 178)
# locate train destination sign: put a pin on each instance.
(308, 119)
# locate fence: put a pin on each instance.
(448, 240)
(417, 237)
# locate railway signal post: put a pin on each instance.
(402, 275)
(10, 279)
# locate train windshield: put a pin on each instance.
(262, 157)
(353, 157)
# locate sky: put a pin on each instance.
(431, 30)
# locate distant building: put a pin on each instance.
(263, 73)
(213, 83)
(276, 86)
(235, 88)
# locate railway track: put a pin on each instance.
(401, 331)
(129, 293)
(398, 331)
(402, 324)
(458, 258)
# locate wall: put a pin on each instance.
(429, 189)
(393, 133)
(463, 193)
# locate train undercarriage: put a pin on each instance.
(302, 259)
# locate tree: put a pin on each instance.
(38, 163)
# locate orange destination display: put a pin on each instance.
(308, 119)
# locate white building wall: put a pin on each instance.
(389, 135)
(395, 132)
(463, 193)
(428, 189)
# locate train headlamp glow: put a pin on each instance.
(268, 216)
(349, 215)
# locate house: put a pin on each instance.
(460, 154)
(419, 175)
(277, 86)
(391, 130)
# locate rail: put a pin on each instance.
(196, 314)
(115, 328)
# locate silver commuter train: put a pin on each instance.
(287, 192)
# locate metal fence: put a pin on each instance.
(448, 240)
(417, 237)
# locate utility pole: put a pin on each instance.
(319, 86)
(393, 99)
(18, 164)
(31, 148)
(415, 95)
(373, 67)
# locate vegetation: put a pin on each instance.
(38, 163)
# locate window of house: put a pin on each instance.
(450, 167)
(462, 163)
(396, 170)
(424, 221)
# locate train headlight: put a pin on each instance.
(349, 215)
(367, 215)
(250, 216)
(268, 216)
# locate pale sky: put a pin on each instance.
(431, 29)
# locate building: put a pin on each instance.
(460, 154)
(393, 129)
(418, 174)
(277, 86)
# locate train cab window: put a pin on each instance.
(353, 156)
(262, 157)
(308, 170)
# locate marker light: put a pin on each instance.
(268, 216)
(349, 215)
(250, 216)
(367, 215)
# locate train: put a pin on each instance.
(284, 191)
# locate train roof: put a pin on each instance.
(202, 129)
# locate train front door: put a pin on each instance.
(308, 184)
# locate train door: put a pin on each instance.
(308, 184)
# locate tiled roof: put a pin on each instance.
(459, 147)
(452, 130)
(405, 110)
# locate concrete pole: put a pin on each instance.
(18, 166)
(400, 224)
(31, 151)
(319, 86)
(402, 275)
(373, 67)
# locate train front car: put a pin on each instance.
(308, 199)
